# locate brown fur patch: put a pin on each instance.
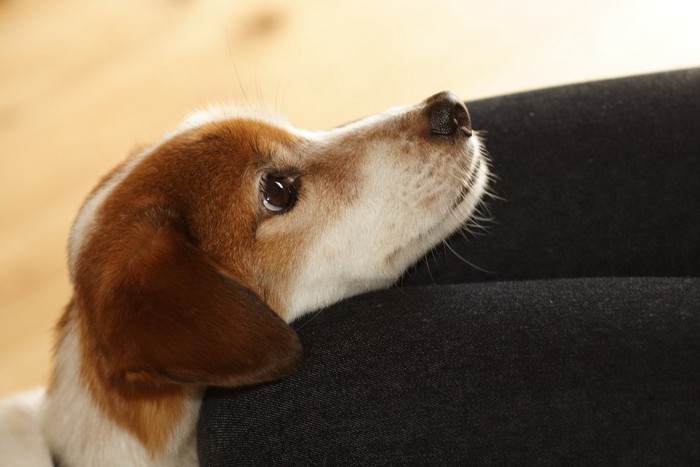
(161, 292)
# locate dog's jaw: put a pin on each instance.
(344, 262)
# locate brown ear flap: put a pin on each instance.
(158, 311)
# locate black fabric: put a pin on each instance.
(593, 371)
(598, 179)
(552, 358)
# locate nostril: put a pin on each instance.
(462, 118)
(448, 115)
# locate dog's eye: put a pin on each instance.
(279, 193)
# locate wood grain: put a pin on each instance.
(81, 82)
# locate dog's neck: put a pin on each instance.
(85, 425)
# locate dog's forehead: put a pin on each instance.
(253, 140)
(328, 162)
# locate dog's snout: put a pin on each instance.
(448, 115)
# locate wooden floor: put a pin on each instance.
(81, 82)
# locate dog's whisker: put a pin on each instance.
(430, 274)
(477, 217)
(467, 262)
(313, 316)
(235, 69)
(278, 103)
(258, 87)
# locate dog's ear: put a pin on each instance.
(159, 312)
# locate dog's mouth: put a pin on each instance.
(463, 193)
(469, 180)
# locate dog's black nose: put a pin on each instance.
(448, 115)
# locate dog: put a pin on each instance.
(189, 259)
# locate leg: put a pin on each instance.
(564, 372)
(598, 179)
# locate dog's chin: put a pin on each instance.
(457, 215)
(466, 196)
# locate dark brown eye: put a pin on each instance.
(279, 193)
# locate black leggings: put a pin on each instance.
(575, 340)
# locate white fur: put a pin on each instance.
(218, 113)
(21, 441)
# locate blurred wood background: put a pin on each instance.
(82, 81)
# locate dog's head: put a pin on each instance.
(188, 259)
